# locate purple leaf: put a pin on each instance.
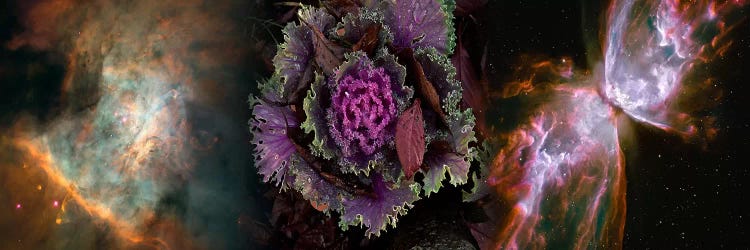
(421, 23)
(473, 90)
(439, 71)
(328, 55)
(397, 72)
(353, 27)
(273, 148)
(376, 213)
(317, 17)
(410, 144)
(441, 163)
(314, 105)
(293, 58)
(368, 42)
(423, 85)
(316, 189)
(292, 61)
(479, 179)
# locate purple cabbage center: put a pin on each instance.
(362, 111)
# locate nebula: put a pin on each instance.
(559, 174)
(563, 171)
(133, 159)
(652, 50)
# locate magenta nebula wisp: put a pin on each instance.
(650, 49)
(561, 172)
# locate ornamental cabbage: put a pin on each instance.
(325, 123)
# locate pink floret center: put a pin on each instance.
(362, 111)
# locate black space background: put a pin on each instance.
(678, 194)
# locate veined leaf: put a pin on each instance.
(410, 144)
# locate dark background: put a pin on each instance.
(679, 194)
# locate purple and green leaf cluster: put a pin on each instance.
(364, 97)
